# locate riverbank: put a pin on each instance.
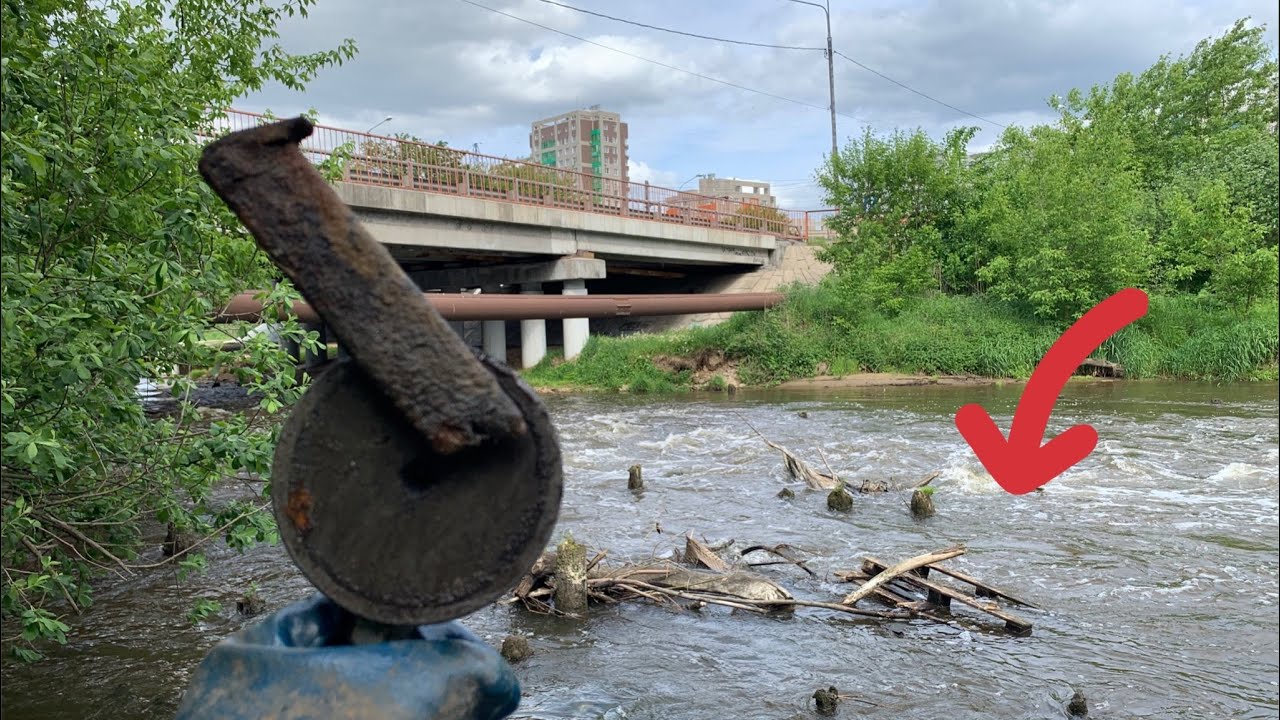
(817, 333)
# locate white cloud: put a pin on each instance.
(447, 70)
(640, 172)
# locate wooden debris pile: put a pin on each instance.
(908, 585)
(701, 576)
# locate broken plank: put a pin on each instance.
(1012, 623)
(982, 589)
(897, 597)
(697, 553)
(905, 566)
(887, 593)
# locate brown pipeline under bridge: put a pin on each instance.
(246, 306)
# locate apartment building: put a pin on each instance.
(591, 141)
(750, 192)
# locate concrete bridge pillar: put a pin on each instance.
(576, 330)
(495, 339)
(533, 333)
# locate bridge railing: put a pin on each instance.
(397, 162)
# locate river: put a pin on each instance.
(1155, 563)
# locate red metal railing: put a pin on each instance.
(389, 161)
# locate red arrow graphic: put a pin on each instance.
(1020, 464)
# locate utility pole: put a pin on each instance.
(831, 70)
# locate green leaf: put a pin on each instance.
(37, 163)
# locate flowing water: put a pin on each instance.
(1155, 563)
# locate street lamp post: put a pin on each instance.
(686, 182)
(386, 119)
(831, 69)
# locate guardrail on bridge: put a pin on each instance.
(397, 162)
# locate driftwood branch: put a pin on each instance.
(798, 468)
(932, 476)
(779, 551)
(902, 567)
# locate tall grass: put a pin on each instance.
(821, 330)
(1190, 337)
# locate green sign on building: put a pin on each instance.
(597, 164)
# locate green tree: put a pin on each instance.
(1202, 133)
(898, 198)
(1213, 246)
(407, 155)
(1173, 110)
(114, 255)
(1062, 219)
(532, 182)
(758, 217)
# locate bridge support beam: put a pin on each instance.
(495, 339)
(533, 333)
(576, 330)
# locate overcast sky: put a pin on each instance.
(449, 70)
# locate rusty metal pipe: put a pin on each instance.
(416, 480)
(535, 307)
(357, 288)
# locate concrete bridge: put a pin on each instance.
(433, 228)
(464, 222)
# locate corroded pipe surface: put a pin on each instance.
(533, 307)
(352, 282)
(414, 482)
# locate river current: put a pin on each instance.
(1154, 563)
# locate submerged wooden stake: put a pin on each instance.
(826, 700)
(922, 504)
(571, 577)
(1078, 706)
(839, 500)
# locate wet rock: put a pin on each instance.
(635, 480)
(826, 700)
(178, 540)
(839, 500)
(516, 648)
(922, 503)
(1078, 706)
(802, 414)
(787, 494)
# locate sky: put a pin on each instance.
(455, 71)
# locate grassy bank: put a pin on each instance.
(816, 332)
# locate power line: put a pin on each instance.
(681, 32)
(921, 94)
(656, 62)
